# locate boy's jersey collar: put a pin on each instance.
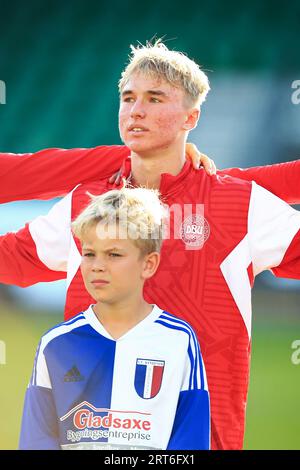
(141, 326)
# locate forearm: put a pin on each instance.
(281, 179)
(19, 261)
(54, 172)
(39, 428)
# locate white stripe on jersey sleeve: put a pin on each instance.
(272, 225)
(51, 234)
(234, 269)
(186, 374)
(40, 374)
(193, 342)
(204, 386)
(74, 261)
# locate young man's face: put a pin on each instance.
(152, 114)
(113, 269)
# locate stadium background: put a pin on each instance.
(61, 63)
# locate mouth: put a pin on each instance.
(134, 129)
(99, 282)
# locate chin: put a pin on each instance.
(99, 298)
(136, 144)
(105, 299)
(137, 147)
(140, 148)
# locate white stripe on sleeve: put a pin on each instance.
(272, 225)
(52, 235)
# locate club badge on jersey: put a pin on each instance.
(148, 377)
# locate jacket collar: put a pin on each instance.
(169, 184)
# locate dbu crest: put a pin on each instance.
(194, 231)
(148, 377)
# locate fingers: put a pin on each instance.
(193, 154)
(115, 178)
(213, 168)
(208, 164)
(200, 159)
(118, 178)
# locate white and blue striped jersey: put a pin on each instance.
(145, 390)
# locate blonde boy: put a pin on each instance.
(124, 374)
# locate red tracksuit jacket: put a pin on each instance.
(233, 230)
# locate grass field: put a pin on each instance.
(273, 415)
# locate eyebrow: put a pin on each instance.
(114, 248)
(149, 92)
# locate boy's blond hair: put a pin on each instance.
(156, 60)
(137, 210)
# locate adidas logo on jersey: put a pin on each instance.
(73, 375)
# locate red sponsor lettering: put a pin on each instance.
(127, 423)
(86, 419)
(80, 419)
(106, 421)
(136, 424)
(146, 425)
(117, 423)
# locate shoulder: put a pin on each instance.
(62, 330)
(225, 194)
(216, 187)
(219, 180)
(225, 182)
(186, 342)
(173, 323)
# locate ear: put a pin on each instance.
(150, 265)
(191, 120)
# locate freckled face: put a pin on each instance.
(152, 114)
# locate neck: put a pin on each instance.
(147, 168)
(119, 317)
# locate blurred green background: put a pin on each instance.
(61, 62)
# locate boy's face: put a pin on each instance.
(152, 113)
(113, 269)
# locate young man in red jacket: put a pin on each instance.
(223, 231)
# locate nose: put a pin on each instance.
(137, 109)
(98, 265)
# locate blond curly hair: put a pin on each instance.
(137, 210)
